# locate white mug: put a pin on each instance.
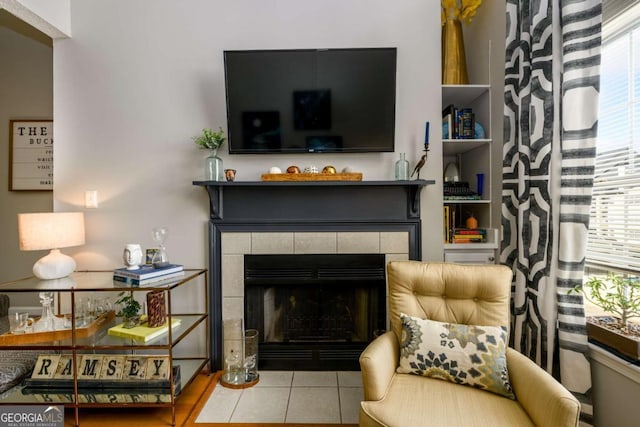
(132, 256)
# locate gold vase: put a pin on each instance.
(454, 64)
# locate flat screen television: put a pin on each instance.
(311, 100)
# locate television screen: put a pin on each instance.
(313, 100)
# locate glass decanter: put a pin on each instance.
(47, 320)
(160, 258)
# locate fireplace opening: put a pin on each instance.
(314, 312)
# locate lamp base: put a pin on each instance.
(55, 265)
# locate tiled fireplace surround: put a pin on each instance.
(394, 245)
(375, 217)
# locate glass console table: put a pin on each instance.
(81, 339)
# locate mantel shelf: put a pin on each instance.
(288, 193)
(416, 183)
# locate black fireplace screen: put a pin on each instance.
(313, 303)
(300, 314)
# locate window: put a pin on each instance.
(614, 229)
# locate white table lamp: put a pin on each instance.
(51, 230)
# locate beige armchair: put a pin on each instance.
(462, 294)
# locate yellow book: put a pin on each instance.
(142, 332)
(445, 231)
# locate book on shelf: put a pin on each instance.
(449, 220)
(142, 332)
(459, 241)
(448, 115)
(458, 123)
(157, 280)
(446, 230)
(480, 231)
(461, 238)
(147, 271)
(467, 123)
(469, 235)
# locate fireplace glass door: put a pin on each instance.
(314, 311)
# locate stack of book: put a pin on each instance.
(469, 235)
(458, 123)
(148, 274)
(143, 332)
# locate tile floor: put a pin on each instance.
(321, 397)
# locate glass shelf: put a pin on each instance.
(102, 339)
(19, 395)
(91, 281)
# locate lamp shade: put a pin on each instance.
(49, 230)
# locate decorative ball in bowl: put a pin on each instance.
(328, 169)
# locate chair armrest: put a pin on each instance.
(545, 400)
(378, 364)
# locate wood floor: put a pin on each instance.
(193, 397)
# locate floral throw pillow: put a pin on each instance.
(462, 354)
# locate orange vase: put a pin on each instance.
(472, 222)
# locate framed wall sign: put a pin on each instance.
(31, 155)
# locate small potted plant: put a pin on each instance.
(210, 139)
(213, 170)
(129, 309)
(620, 297)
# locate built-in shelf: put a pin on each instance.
(452, 147)
(473, 157)
(464, 94)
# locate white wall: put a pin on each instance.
(139, 78)
(26, 82)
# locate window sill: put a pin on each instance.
(615, 363)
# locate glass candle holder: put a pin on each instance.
(251, 337)
(233, 333)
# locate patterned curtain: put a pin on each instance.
(551, 106)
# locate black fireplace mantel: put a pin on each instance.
(307, 200)
(308, 206)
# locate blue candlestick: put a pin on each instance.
(426, 136)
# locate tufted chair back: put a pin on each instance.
(455, 293)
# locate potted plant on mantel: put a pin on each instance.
(210, 140)
(130, 309)
(620, 297)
